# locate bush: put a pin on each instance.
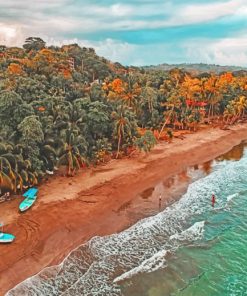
(146, 142)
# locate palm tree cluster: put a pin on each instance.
(68, 106)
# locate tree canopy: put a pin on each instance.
(68, 106)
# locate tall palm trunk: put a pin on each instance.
(165, 123)
(119, 143)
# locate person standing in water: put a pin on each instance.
(213, 200)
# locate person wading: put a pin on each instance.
(213, 200)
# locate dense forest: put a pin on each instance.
(68, 106)
(198, 68)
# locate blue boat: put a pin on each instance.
(31, 195)
(6, 237)
(31, 192)
(27, 203)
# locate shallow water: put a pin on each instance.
(188, 249)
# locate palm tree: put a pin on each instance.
(15, 171)
(235, 109)
(48, 155)
(241, 105)
(124, 126)
(73, 150)
(149, 97)
(172, 105)
(6, 174)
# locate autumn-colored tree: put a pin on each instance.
(118, 86)
(191, 88)
(70, 104)
(66, 74)
(15, 69)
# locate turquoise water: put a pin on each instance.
(189, 249)
(216, 264)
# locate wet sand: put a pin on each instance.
(102, 200)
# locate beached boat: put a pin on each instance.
(31, 195)
(6, 237)
(27, 203)
(31, 192)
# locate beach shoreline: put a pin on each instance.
(70, 211)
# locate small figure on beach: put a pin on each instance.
(213, 200)
(160, 201)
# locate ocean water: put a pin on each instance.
(189, 249)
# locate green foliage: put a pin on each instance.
(31, 130)
(68, 106)
(124, 127)
(9, 101)
(73, 150)
(34, 43)
(101, 151)
(145, 142)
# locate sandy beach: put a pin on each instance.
(70, 211)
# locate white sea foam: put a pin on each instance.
(230, 197)
(156, 262)
(91, 269)
(193, 233)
